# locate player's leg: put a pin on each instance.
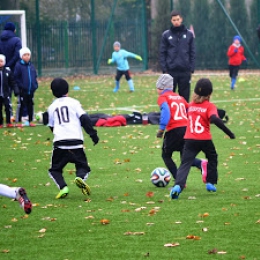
(117, 80)
(7, 191)
(30, 109)
(211, 154)
(58, 162)
(82, 170)
(1, 112)
(8, 111)
(129, 81)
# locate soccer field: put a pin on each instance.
(126, 217)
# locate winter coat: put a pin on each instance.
(177, 50)
(236, 55)
(8, 83)
(10, 45)
(26, 76)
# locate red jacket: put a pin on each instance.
(235, 58)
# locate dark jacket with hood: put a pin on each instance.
(26, 77)
(8, 83)
(10, 45)
(177, 50)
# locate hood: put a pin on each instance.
(5, 35)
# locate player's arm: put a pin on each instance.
(164, 119)
(133, 55)
(87, 125)
(219, 123)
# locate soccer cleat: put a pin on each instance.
(1, 126)
(175, 192)
(210, 187)
(32, 125)
(82, 185)
(204, 170)
(22, 198)
(63, 193)
(9, 125)
(115, 89)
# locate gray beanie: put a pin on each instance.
(165, 81)
(117, 44)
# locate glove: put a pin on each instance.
(109, 61)
(232, 136)
(16, 93)
(95, 139)
(235, 50)
(160, 133)
(138, 57)
(45, 118)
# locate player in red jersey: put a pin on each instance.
(201, 114)
(173, 119)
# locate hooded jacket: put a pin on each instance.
(26, 77)
(10, 45)
(8, 83)
(177, 50)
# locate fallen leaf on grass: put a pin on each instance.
(172, 244)
(104, 221)
(258, 221)
(215, 251)
(240, 179)
(89, 217)
(5, 251)
(129, 233)
(149, 194)
(139, 209)
(43, 230)
(193, 237)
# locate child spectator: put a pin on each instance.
(66, 119)
(173, 119)
(26, 78)
(18, 194)
(7, 85)
(201, 114)
(236, 57)
(120, 57)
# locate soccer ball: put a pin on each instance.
(38, 117)
(160, 177)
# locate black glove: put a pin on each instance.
(95, 139)
(160, 133)
(16, 93)
(232, 136)
(45, 118)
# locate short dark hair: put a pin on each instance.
(175, 13)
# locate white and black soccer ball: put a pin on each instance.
(160, 177)
(38, 117)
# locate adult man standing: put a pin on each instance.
(177, 54)
(10, 45)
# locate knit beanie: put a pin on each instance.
(117, 44)
(9, 26)
(23, 51)
(237, 37)
(59, 87)
(2, 57)
(203, 87)
(165, 81)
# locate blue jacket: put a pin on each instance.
(120, 57)
(10, 45)
(7, 83)
(26, 76)
(177, 50)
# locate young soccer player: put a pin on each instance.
(26, 78)
(201, 114)
(7, 85)
(173, 119)
(66, 119)
(18, 194)
(236, 57)
(119, 56)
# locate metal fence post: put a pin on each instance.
(38, 32)
(94, 40)
(144, 38)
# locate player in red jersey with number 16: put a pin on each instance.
(201, 114)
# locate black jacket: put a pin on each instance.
(8, 83)
(177, 50)
(10, 45)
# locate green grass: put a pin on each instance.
(121, 164)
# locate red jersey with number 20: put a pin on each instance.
(178, 107)
(199, 120)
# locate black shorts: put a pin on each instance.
(120, 73)
(233, 71)
(173, 140)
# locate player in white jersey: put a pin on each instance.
(66, 118)
(18, 194)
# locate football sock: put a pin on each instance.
(233, 82)
(131, 85)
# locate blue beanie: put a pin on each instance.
(9, 26)
(237, 37)
(117, 44)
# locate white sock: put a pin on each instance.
(7, 191)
